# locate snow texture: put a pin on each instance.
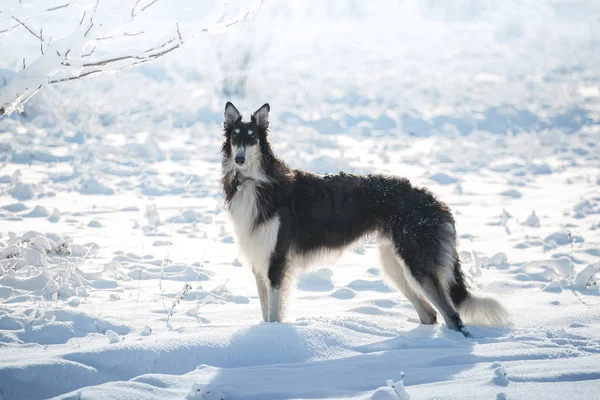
(119, 275)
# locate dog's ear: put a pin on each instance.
(261, 116)
(231, 115)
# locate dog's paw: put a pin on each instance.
(429, 319)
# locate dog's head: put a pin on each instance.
(241, 148)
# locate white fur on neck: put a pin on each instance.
(255, 242)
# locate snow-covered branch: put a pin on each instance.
(119, 34)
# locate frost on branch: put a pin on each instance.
(105, 36)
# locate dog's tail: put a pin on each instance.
(473, 309)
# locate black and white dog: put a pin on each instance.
(285, 220)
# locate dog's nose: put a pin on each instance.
(239, 159)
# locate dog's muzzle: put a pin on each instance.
(240, 156)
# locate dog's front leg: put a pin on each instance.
(278, 266)
(274, 297)
(263, 295)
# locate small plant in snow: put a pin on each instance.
(178, 297)
(474, 271)
(18, 189)
(586, 278)
(147, 331)
(571, 241)
(393, 390)
(34, 257)
(152, 216)
(533, 220)
(500, 376)
(504, 217)
(399, 387)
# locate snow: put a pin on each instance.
(119, 275)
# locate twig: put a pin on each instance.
(87, 54)
(178, 297)
(248, 14)
(133, 9)
(42, 41)
(178, 32)
(166, 257)
(26, 27)
(161, 46)
(89, 28)
(134, 13)
(43, 12)
(124, 34)
(71, 78)
(58, 7)
(91, 19)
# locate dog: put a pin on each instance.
(285, 220)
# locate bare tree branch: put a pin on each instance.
(71, 78)
(50, 9)
(58, 7)
(26, 27)
(89, 28)
(124, 34)
(134, 13)
(82, 17)
(133, 9)
(87, 54)
(71, 57)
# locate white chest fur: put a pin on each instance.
(255, 242)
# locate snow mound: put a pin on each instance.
(443, 179)
(93, 186)
(318, 281)
(344, 294)
(38, 212)
(532, 220)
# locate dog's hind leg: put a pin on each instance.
(394, 271)
(431, 263)
(437, 290)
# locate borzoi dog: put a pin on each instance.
(285, 219)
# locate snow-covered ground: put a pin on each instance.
(119, 277)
